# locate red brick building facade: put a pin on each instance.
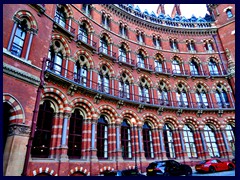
(119, 88)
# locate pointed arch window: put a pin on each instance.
(163, 96)
(75, 135)
(158, 65)
(104, 45)
(229, 13)
(42, 136)
(80, 73)
(143, 93)
(211, 142)
(83, 33)
(126, 140)
(156, 42)
(141, 61)
(168, 141)
(213, 69)
(194, 68)
(189, 142)
(176, 67)
(102, 138)
(124, 89)
(122, 54)
(201, 99)
(56, 59)
(148, 141)
(222, 99)
(106, 21)
(182, 98)
(103, 83)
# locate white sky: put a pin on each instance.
(187, 10)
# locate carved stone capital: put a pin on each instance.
(18, 129)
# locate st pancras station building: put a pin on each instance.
(89, 88)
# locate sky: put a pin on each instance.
(187, 10)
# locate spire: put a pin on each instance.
(160, 9)
(176, 10)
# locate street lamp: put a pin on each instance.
(135, 144)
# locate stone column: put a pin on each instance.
(29, 45)
(15, 149)
(12, 34)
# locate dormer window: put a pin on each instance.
(106, 21)
(229, 13)
(87, 9)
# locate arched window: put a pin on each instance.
(173, 44)
(80, 72)
(222, 99)
(122, 54)
(168, 141)
(140, 59)
(201, 97)
(19, 38)
(102, 138)
(148, 141)
(140, 37)
(123, 30)
(104, 45)
(212, 66)
(158, 65)
(209, 46)
(143, 93)
(124, 90)
(103, 82)
(56, 59)
(194, 68)
(182, 96)
(163, 96)
(83, 33)
(6, 120)
(106, 21)
(231, 137)
(176, 67)
(189, 142)
(126, 140)
(42, 136)
(75, 135)
(210, 139)
(60, 16)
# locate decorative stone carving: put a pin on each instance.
(71, 90)
(140, 108)
(18, 129)
(120, 104)
(231, 64)
(179, 112)
(97, 98)
(160, 110)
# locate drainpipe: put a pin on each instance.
(34, 118)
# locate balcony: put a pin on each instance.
(59, 75)
(104, 52)
(144, 66)
(87, 42)
(177, 72)
(160, 70)
(217, 73)
(126, 61)
(62, 26)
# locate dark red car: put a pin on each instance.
(213, 165)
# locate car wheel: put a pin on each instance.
(166, 174)
(230, 167)
(211, 169)
(188, 173)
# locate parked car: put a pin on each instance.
(213, 165)
(168, 168)
(128, 172)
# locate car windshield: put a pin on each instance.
(161, 164)
(203, 162)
